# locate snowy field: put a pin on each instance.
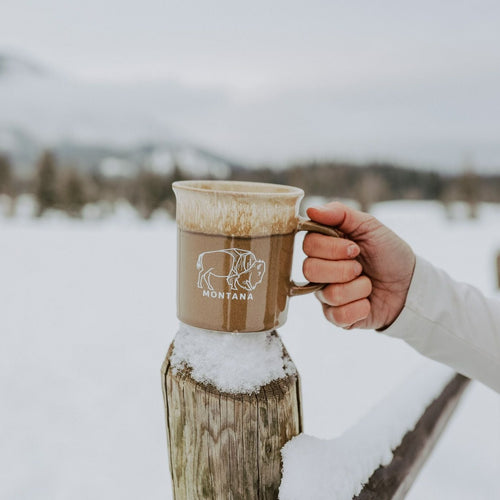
(87, 314)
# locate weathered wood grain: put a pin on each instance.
(227, 446)
(393, 481)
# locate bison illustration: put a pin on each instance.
(239, 268)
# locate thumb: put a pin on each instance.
(338, 215)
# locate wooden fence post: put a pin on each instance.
(227, 446)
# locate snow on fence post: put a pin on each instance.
(227, 443)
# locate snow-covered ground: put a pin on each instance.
(87, 314)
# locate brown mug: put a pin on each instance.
(234, 253)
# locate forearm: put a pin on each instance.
(452, 323)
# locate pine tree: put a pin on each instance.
(5, 175)
(46, 183)
(152, 190)
(7, 186)
(370, 189)
(73, 193)
(469, 186)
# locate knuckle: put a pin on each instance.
(348, 272)
(370, 222)
(349, 316)
(336, 248)
(340, 315)
(363, 309)
(342, 273)
(334, 295)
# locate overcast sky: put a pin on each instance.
(432, 63)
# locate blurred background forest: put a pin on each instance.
(143, 179)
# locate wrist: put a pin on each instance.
(400, 295)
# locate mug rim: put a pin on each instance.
(214, 186)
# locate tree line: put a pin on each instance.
(64, 187)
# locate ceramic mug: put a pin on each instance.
(234, 253)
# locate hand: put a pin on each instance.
(368, 274)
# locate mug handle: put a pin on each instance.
(315, 227)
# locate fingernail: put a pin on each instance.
(319, 295)
(352, 250)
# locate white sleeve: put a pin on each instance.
(453, 323)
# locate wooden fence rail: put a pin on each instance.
(393, 481)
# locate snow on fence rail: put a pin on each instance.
(395, 479)
(393, 439)
(233, 419)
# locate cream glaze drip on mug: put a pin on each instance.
(237, 209)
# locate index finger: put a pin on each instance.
(338, 215)
(326, 247)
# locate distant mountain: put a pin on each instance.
(20, 147)
(14, 66)
(435, 125)
(104, 127)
